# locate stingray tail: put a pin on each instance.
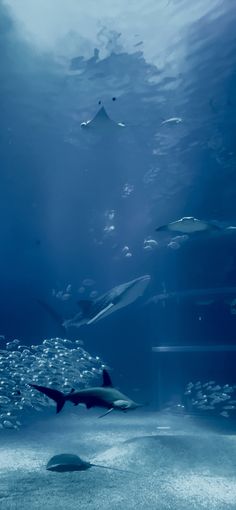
(55, 395)
(114, 469)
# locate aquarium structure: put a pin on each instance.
(117, 255)
(201, 382)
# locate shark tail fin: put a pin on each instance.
(55, 395)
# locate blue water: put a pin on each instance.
(79, 207)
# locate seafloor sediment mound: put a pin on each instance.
(176, 470)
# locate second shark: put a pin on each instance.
(105, 396)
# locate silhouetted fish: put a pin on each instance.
(188, 225)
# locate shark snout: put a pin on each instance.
(125, 405)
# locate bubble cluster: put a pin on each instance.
(58, 363)
(109, 227)
(127, 190)
(151, 175)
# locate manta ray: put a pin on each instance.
(105, 396)
(101, 121)
(188, 225)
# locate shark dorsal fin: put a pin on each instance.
(106, 380)
(85, 305)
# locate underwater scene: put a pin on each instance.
(118, 255)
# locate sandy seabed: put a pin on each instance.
(172, 464)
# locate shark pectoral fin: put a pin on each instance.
(109, 411)
(104, 310)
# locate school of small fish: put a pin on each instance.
(211, 399)
(60, 363)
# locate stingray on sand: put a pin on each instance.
(67, 462)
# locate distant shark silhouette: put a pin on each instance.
(188, 225)
(118, 297)
(100, 396)
(94, 310)
(212, 294)
(101, 121)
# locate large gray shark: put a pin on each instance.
(118, 297)
(188, 225)
(100, 396)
